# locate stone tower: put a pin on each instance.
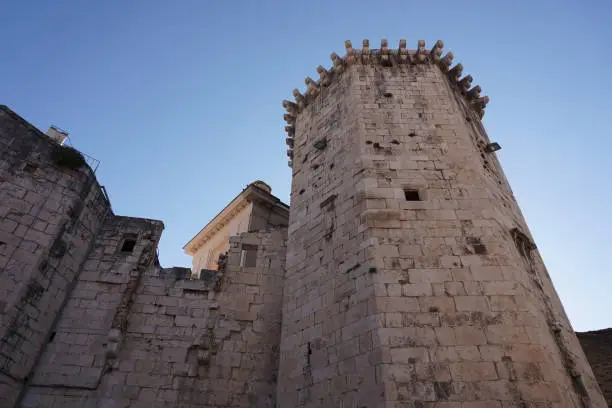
(412, 279)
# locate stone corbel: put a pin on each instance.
(474, 93)
(350, 52)
(290, 130)
(436, 51)
(465, 84)
(455, 73)
(289, 118)
(337, 61)
(114, 339)
(365, 52)
(402, 52)
(385, 58)
(480, 103)
(290, 107)
(421, 53)
(324, 77)
(313, 87)
(198, 355)
(299, 99)
(446, 61)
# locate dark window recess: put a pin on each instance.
(320, 144)
(58, 249)
(195, 292)
(34, 292)
(249, 256)
(128, 245)
(476, 243)
(387, 94)
(480, 249)
(51, 337)
(29, 168)
(412, 195)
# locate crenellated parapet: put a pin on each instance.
(388, 57)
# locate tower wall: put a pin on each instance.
(193, 343)
(49, 215)
(411, 274)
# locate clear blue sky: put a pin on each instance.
(181, 103)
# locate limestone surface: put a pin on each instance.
(406, 276)
(412, 279)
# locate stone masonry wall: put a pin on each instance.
(189, 343)
(245, 335)
(479, 318)
(49, 216)
(81, 347)
(411, 275)
(264, 215)
(328, 358)
(597, 346)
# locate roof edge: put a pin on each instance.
(246, 196)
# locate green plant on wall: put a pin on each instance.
(67, 156)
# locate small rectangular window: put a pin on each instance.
(129, 242)
(128, 245)
(411, 195)
(248, 256)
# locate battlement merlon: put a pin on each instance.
(388, 57)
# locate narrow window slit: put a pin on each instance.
(129, 242)
(412, 195)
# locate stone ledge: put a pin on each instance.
(386, 57)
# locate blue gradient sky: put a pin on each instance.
(181, 103)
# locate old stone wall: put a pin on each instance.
(597, 346)
(411, 275)
(190, 343)
(95, 318)
(265, 215)
(328, 354)
(50, 212)
(459, 277)
(245, 335)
